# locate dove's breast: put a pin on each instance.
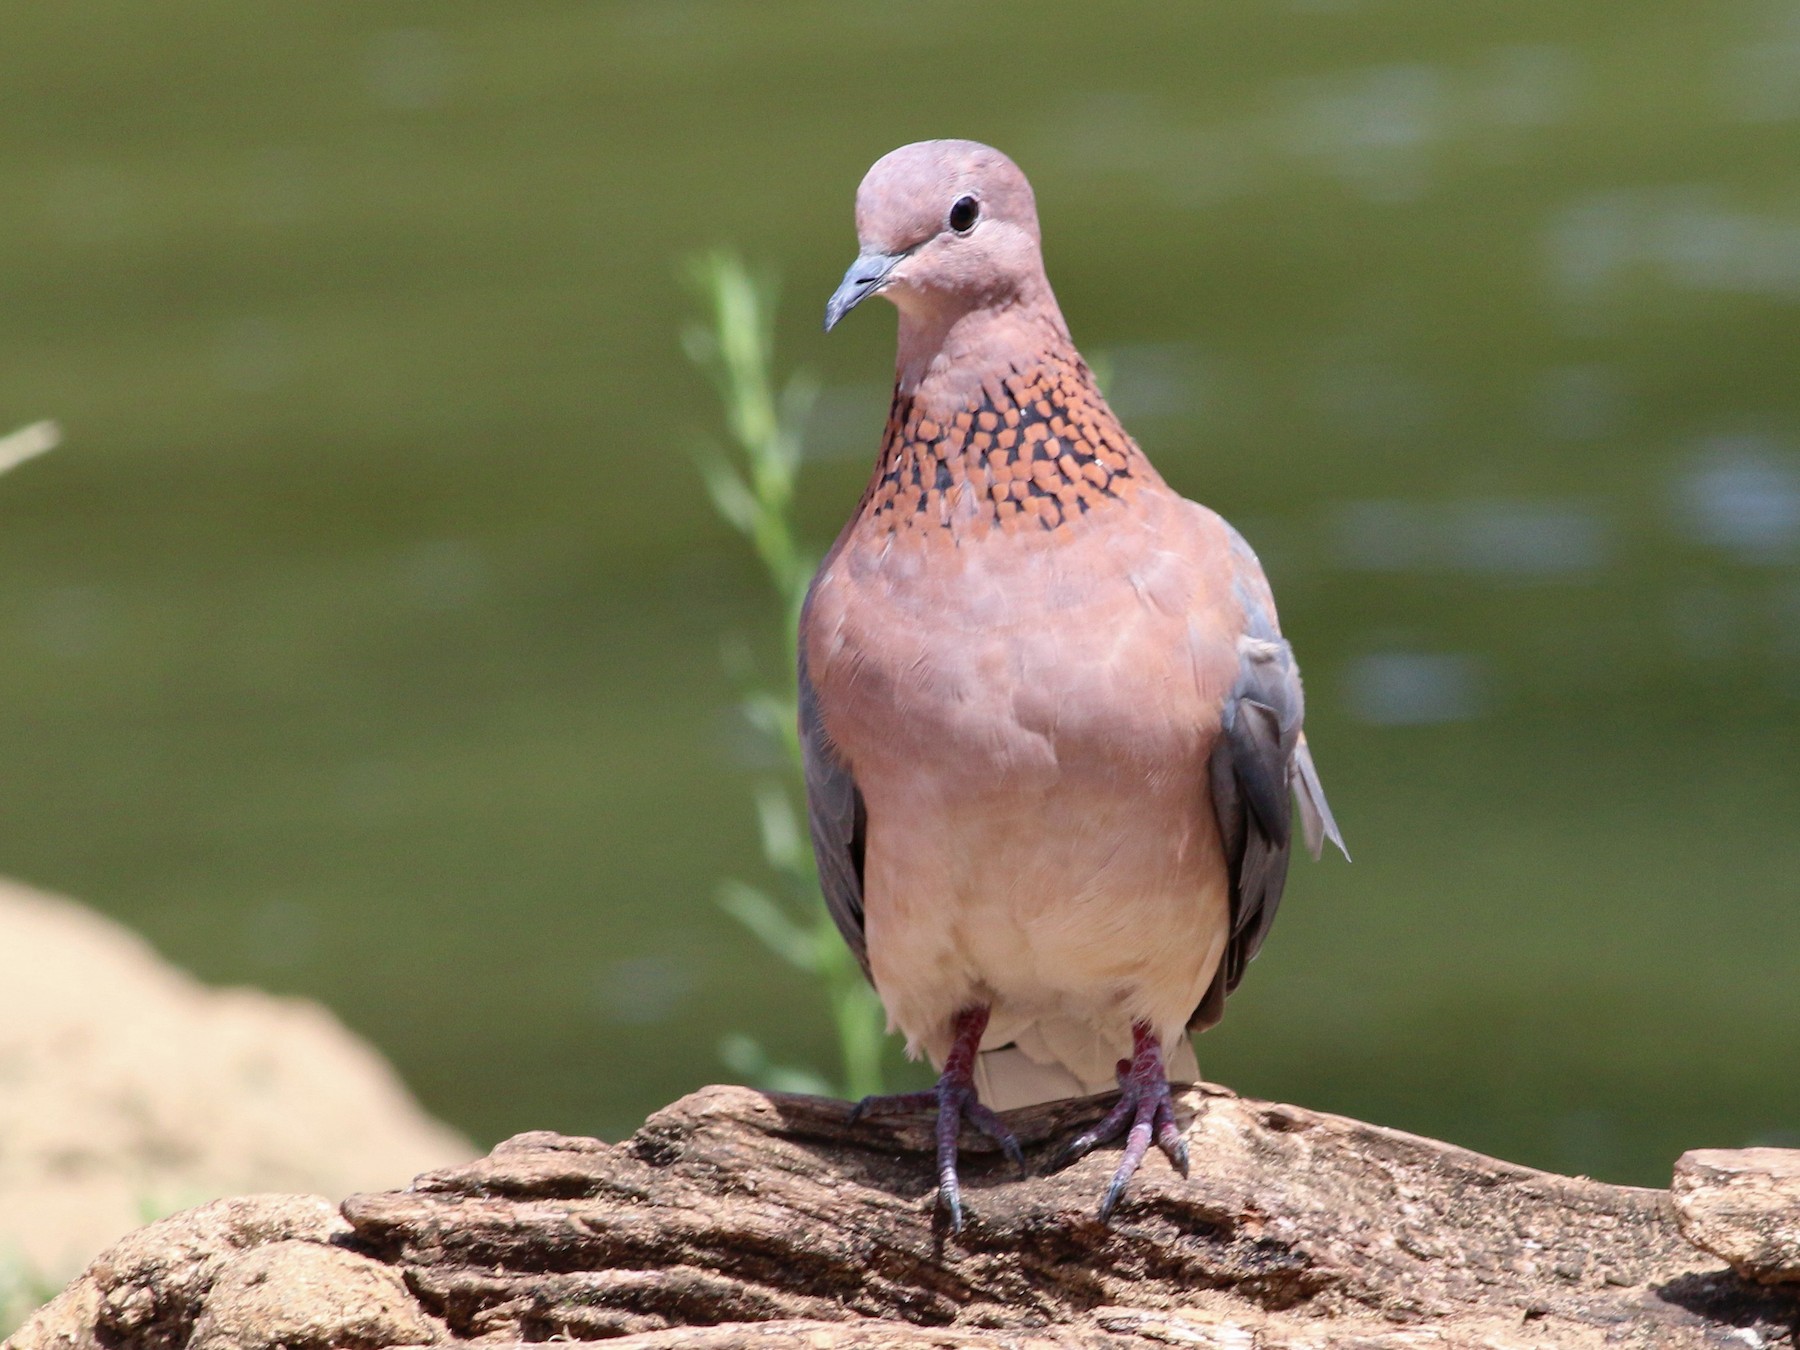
(1028, 716)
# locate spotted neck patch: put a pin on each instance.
(1048, 452)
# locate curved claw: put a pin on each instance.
(955, 1101)
(892, 1104)
(1169, 1140)
(990, 1124)
(949, 1195)
(1110, 1126)
(1145, 1112)
(1115, 1191)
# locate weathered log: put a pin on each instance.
(740, 1219)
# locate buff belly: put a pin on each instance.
(1070, 911)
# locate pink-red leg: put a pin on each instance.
(954, 1098)
(1145, 1111)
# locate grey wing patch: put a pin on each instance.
(1250, 769)
(838, 821)
(1258, 768)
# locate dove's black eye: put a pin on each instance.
(964, 214)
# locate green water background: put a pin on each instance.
(364, 639)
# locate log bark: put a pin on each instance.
(739, 1219)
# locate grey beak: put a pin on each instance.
(862, 280)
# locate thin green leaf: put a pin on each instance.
(783, 843)
(752, 485)
(771, 926)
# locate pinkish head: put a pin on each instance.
(944, 227)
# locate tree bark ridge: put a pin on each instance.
(736, 1219)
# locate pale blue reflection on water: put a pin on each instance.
(1741, 495)
(1516, 540)
(1415, 689)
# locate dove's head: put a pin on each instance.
(944, 228)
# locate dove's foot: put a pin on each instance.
(954, 1098)
(1145, 1112)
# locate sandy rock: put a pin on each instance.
(70, 1321)
(1743, 1204)
(301, 1295)
(127, 1088)
(146, 1290)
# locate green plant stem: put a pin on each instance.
(751, 482)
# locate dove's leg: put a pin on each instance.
(1145, 1111)
(954, 1098)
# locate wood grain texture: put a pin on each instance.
(735, 1219)
(738, 1207)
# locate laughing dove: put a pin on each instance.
(1051, 729)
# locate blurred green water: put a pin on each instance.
(363, 641)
